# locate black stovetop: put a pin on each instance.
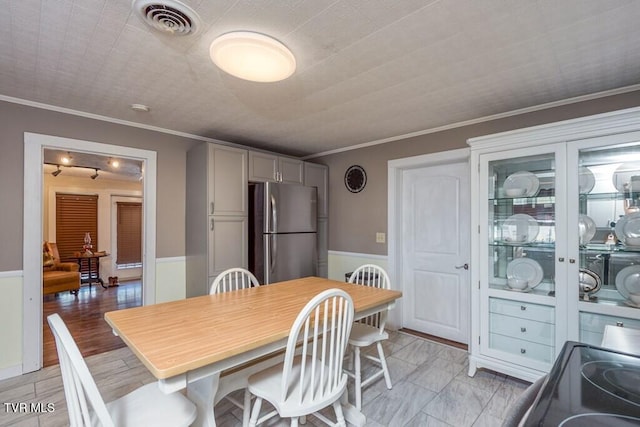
(589, 386)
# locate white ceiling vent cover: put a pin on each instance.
(168, 16)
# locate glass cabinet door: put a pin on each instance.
(609, 224)
(522, 224)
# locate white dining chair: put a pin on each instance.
(145, 406)
(232, 280)
(311, 377)
(369, 331)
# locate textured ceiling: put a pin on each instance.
(367, 69)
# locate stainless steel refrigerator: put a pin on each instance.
(282, 231)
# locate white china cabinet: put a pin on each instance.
(556, 241)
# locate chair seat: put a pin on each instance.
(149, 406)
(268, 386)
(364, 335)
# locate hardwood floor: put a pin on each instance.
(84, 316)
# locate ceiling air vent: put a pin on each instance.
(168, 16)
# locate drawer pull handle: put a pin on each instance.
(523, 307)
(523, 329)
(561, 259)
(523, 351)
(620, 324)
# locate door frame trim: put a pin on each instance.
(34, 145)
(395, 169)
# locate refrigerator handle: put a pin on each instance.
(274, 255)
(274, 214)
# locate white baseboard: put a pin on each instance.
(10, 372)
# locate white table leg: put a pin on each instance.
(202, 392)
(352, 414)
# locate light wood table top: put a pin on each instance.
(176, 337)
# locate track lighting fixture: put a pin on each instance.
(67, 159)
(56, 172)
(95, 175)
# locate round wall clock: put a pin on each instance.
(355, 178)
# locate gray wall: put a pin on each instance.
(355, 218)
(171, 150)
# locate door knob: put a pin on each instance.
(465, 266)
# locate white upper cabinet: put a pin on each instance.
(265, 167)
(227, 183)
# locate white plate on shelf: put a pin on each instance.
(628, 226)
(586, 229)
(527, 269)
(586, 180)
(628, 280)
(623, 174)
(525, 181)
(519, 228)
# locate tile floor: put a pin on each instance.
(430, 388)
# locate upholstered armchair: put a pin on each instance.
(58, 276)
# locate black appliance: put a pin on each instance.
(589, 386)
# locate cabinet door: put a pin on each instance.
(522, 225)
(263, 167)
(227, 181)
(323, 246)
(604, 231)
(316, 175)
(291, 171)
(227, 243)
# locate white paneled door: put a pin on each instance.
(436, 250)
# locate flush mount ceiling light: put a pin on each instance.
(114, 163)
(252, 56)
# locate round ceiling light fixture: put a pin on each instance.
(252, 56)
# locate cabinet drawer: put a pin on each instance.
(525, 329)
(535, 351)
(522, 310)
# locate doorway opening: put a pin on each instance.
(34, 231)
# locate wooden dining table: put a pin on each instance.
(210, 344)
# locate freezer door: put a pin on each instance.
(289, 256)
(290, 208)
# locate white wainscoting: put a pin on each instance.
(170, 285)
(10, 324)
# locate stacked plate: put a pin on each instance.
(586, 180)
(586, 229)
(525, 269)
(627, 174)
(519, 229)
(628, 283)
(628, 230)
(521, 184)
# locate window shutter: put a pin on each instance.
(129, 233)
(76, 214)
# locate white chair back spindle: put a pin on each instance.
(374, 276)
(81, 392)
(233, 279)
(323, 327)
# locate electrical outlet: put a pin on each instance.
(380, 237)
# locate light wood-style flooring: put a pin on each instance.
(84, 316)
(430, 388)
